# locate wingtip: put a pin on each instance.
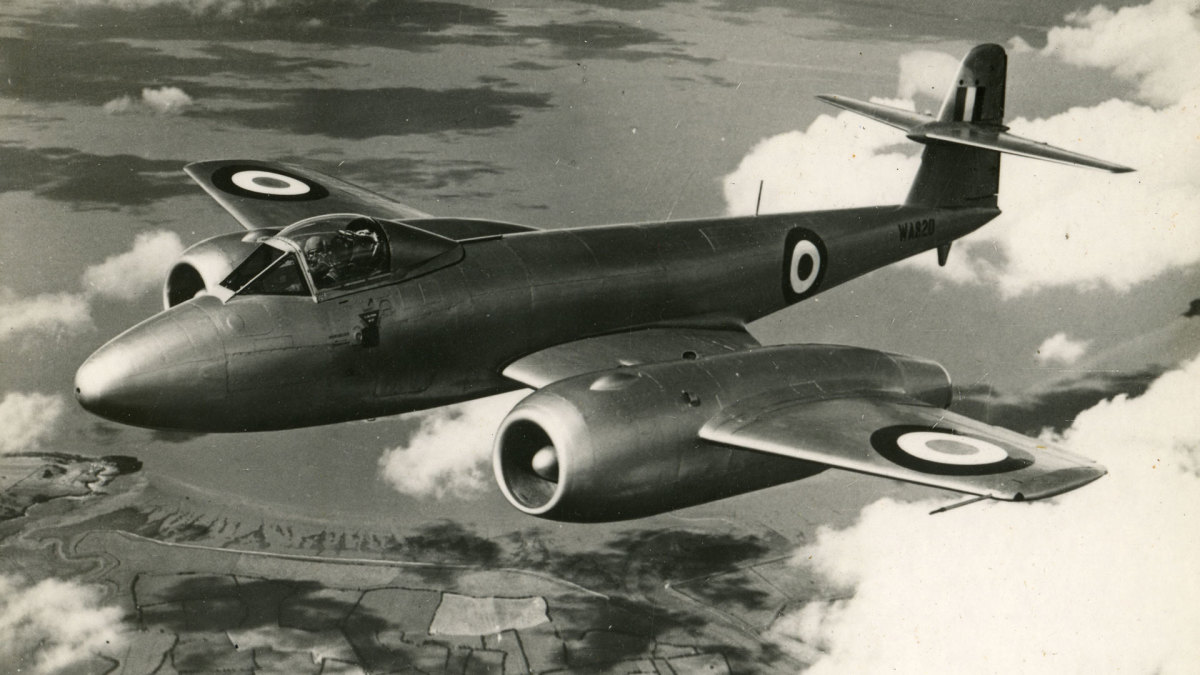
(1057, 482)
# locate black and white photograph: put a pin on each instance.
(602, 336)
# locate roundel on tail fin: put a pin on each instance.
(804, 263)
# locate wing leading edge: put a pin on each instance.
(900, 438)
(650, 345)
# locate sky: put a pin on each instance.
(618, 111)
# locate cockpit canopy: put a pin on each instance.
(339, 253)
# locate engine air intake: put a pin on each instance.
(528, 463)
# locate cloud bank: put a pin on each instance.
(124, 276)
(46, 314)
(450, 453)
(925, 73)
(161, 101)
(141, 269)
(1101, 581)
(220, 8)
(823, 167)
(55, 623)
(1062, 226)
(1153, 45)
(27, 419)
(1059, 348)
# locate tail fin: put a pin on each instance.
(977, 94)
(960, 165)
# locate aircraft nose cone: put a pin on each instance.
(155, 373)
(100, 376)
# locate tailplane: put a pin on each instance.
(960, 165)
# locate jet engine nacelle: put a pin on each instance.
(624, 443)
(203, 266)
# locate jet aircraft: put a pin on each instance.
(339, 304)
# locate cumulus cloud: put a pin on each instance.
(449, 454)
(124, 276)
(120, 106)
(1062, 226)
(142, 268)
(27, 419)
(926, 73)
(1059, 348)
(1101, 580)
(161, 101)
(1154, 45)
(55, 624)
(823, 167)
(48, 313)
(1018, 45)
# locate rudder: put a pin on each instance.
(978, 92)
(961, 175)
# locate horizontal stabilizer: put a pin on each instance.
(890, 115)
(1003, 141)
(924, 129)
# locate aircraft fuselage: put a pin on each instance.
(263, 362)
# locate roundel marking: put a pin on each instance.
(944, 448)
(804, 262)
(946, 452)
(804, 266)
(269, 183)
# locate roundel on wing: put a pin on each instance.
(270, 183)
(804, 262)
(945, 452)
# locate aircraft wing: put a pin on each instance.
(650, 345)
(896, 437)
(272, 195)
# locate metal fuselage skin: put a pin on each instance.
(261, 362)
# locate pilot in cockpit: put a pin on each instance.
(339, 257)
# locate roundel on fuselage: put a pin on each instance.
(804, 262)
(270, 183)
